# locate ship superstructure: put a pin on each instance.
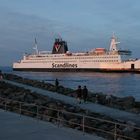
(60, 59)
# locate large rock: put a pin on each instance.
(28, 98)
(51, 113)
(126, 102)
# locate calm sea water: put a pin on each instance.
(118, 84)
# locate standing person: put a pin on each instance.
(85, 93)
(108, 99)
(79, 94)
(56, 82)
(96, 98)
(1, 77)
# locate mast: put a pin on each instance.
(113, 44)
(36, 47)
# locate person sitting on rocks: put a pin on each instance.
(79, 94)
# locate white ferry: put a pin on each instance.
(60, 59)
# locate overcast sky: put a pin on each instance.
(84, 24)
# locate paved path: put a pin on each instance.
(114, 113)
(14, 127)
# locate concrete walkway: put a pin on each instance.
(114, 113)
(14, 127)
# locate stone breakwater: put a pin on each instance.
(31, 99)
(127, 103)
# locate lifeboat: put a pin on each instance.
(100, 50)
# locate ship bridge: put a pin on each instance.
(59, 46)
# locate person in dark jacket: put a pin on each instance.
(56, 82)
(85, 93)
(1, 76)
(79, 94)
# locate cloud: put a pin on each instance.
(88, 29)
(18, 32)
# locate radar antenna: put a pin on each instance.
(36, 47)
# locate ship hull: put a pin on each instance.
(128, 66)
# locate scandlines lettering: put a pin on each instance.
(64, 65)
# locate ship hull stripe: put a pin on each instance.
(77, 70)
